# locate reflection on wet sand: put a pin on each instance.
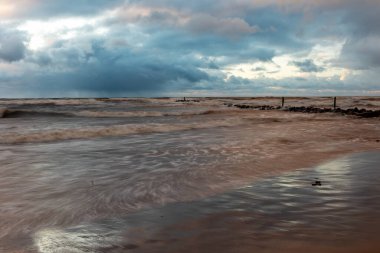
(277, 214)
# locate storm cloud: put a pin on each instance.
(12, 47)
(308, 66)
(153, 48)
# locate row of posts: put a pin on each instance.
(283, 102)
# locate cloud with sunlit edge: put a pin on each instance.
(192, 48)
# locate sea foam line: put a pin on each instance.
(116, 130)
(4, 113)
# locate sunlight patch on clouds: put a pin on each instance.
(9, 8)
(44, 33)
(278, 68)
(285, 68)
(37, 42)
(324, 55)
(325, 52)
(344, 74)
(6, 9)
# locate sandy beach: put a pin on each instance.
(108, 168)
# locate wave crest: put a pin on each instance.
(109, 131)
(6, 113)
(2, 112)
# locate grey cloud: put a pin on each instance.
(362, 16)
(42, 9)
(169, 48)
(229, 27)
(112, 73)
(40, 58)
(361, 48)
(361, 53)
(196, 23)
(239, 86)
(179, 27)
(226, 51)
(360, 20)
(259, 69)
(308, 66)
(213, 65)
(12, 45)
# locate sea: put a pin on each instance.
(172, 175)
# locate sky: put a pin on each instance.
(133, 48)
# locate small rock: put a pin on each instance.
(317, 183)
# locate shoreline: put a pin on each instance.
(307, 167)
(281, 213)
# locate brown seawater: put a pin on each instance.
(110, 175)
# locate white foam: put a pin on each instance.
(118, 113)
(87, 113)
(116, 130)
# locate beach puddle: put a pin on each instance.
(278, 214)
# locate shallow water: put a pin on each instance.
(272, 215)
(90, 166)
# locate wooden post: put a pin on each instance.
(282, 102)
(334, 103)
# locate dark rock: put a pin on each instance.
(369, 114)
(310, 109)
(130, 246)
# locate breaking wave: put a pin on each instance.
(143, 113)
(9, 113)
(2, 112)
(109, 131)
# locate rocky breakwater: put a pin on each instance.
(364, 113)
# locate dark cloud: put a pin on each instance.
(213, 65)
(229, 27)
(308, 66)
(174, 42)
(154, 47)
(361, 16)
(361, 20)
(113, 73)
(12, 45)
(41, 58)
(361, 53)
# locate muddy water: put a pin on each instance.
(277, 214)
(75, 175)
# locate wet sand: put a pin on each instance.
(276, 214)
